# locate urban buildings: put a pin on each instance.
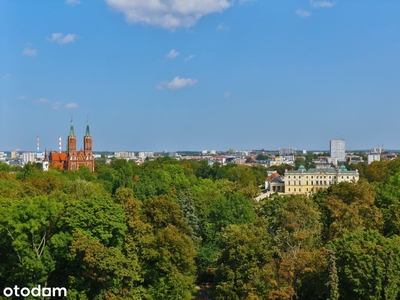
(337, 149)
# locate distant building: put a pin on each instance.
(73, 159)
(304, 181)
(337, 149)
(373, 156)
(287, 151)
(144, 155)
(125, 154)
(28, 157)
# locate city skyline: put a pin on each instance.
(212, 75)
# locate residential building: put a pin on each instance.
(144, 155)
(337, 149)
(287, 151)
(125, 154)
(28, 157)
(373, 156)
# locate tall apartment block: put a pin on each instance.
(287, 151)
(337, 148)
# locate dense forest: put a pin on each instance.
(161, 229)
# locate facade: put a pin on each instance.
(337, 149)
(373, 156)
(73, 159)
(287, 151)
(28, 157)
(304, 181)
(125, 154)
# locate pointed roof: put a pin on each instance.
(71, 129)
(87, 130)
(87, 127)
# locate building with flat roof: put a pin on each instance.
(338, 149)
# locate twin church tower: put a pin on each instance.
(73, 159)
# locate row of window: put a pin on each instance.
(316, 182)
(334, 177)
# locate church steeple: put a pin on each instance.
(87, 127)
(87, 140)
(71, 129)
(71, 139)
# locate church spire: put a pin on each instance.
(87, 127)
(71, 129)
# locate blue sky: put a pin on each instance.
(193, 75)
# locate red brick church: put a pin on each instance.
(73, 159)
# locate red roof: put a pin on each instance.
(58, 157)
(272, 176)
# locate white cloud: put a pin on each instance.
(303, 13)
(71, 105)
(28, 51)
(189, 57)
(318, 4)
(61, 39)
(177, 83)
(56, 105)
(222, 27)
(42, 100)
(73, 2)
(6, 76)
(22, 97)
(169, 14)
(226, 95)
(173, 53)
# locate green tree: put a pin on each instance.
(168, 259)
(368, 266)
(235, 209)
(297, 245)
(388, 200)
(90, 234)
(243, 270)
(26, 229)
(352, 208)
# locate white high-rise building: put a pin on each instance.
(337, 148)
(28, 157)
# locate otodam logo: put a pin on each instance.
(37, 291)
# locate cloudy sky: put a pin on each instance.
(193, 75)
